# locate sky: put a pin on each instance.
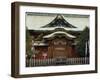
(37, 20)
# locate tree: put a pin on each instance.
(29, 38)
(82, 40)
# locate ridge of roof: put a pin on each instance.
(60, 22)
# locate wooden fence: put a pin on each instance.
(54, 62)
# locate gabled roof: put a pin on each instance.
(59, 21)
(40, 44)
(59, 32)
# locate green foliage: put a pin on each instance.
(82, 39)
(29, 39)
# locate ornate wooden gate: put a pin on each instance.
(59, 48)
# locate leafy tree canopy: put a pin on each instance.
(29, 38)
(82, 39)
